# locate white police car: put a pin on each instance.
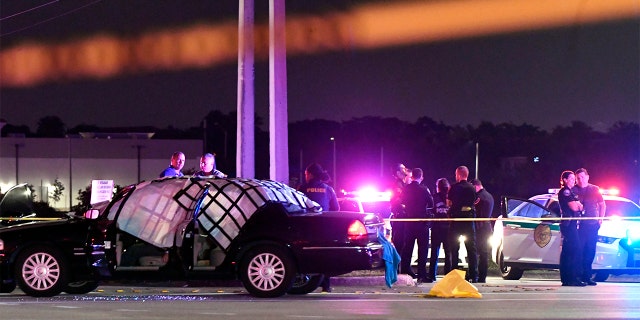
(530, 236)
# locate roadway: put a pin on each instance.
(534, 297)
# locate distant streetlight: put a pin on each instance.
(477, 157)
(225, 143)
(335, 181)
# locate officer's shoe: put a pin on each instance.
(574, 284)
(412, 275)
(591, 282)
(425, 280)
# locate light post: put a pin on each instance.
(335, 182)
(477, 156)
(224, 143)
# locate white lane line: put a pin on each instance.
(131, 310)
(218, 313)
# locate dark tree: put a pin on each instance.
(51, 127)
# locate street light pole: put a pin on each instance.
(477, 156)
(335, 181)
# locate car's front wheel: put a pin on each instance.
(41, 271)
(81, 287)
(306, 283)
(267, 271)
(508, 272)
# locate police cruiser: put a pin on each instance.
(527, 236)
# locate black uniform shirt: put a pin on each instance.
(416, 199)
(462, 195)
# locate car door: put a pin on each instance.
(531, 236)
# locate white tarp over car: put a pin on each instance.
(154, 210)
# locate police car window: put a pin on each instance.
(541, 201)
(381, 207)
(349, 205)
(554, 207)
(622, 209)
(528, 210)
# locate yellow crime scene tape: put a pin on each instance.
(29, 219)
(616, 218)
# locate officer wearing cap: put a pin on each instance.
(462, 196)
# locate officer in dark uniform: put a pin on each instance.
(461, 200)
(400, 175)
(484, 208)
(317, 190)
(570, 207)
(417, 201)
(440, 230)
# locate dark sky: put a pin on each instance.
(588, 73)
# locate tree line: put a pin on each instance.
(518, 160)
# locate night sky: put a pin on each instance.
(588, 73)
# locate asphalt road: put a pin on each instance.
(537, 297)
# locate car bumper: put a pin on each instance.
(616, 256)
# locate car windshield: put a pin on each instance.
(380, 207)
(521, 208)
(622, 209)
(349, 205)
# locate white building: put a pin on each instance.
(125, 158)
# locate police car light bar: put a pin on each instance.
(369, 194)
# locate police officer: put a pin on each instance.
(594, 207)
(317, 190)
(570, 207)
(462, 196)
(417, 201)
(440, 230)
(484, 209)
(401, 177)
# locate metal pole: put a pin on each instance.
(278, 118)
(477, 154)
(138, 147)
(335, 180)
(245, 154)
(204, 137)
(70, 175)
(17, 145)
(302, 180)
(381, 161)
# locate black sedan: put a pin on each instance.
(271, 237)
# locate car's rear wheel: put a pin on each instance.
(508, 272)
(267, 271)
(601, 276)
(81, 287)
(306, 283)
(41, 271)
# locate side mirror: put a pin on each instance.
(92, 214)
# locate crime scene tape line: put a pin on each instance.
(29, 219)
(510, 219)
